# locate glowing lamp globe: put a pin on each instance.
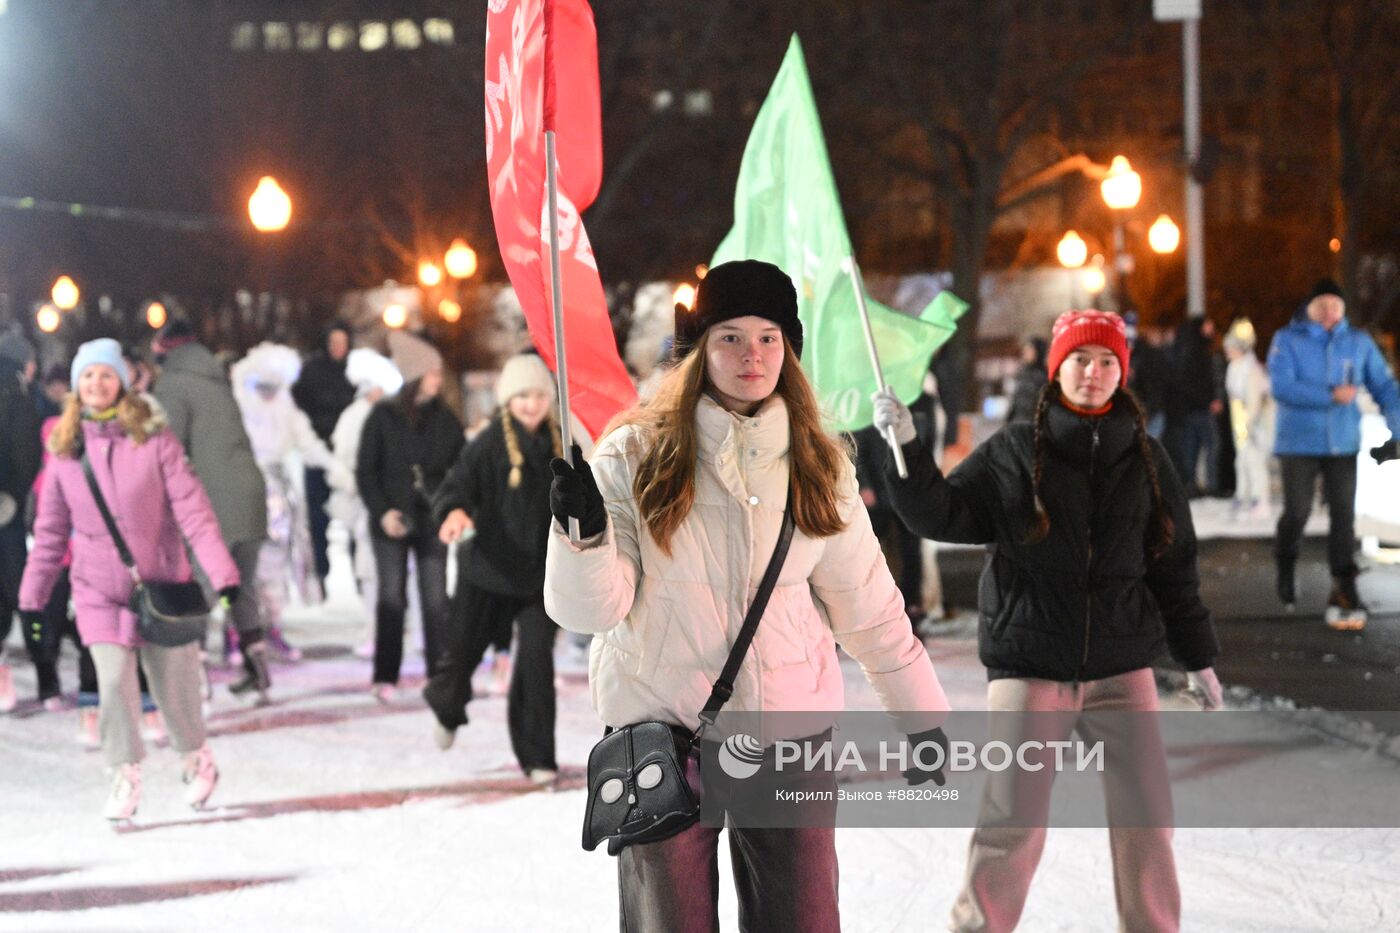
(48, 319)
(1072, 250)
(1093, 279)
(460, 260)
(684, 295)
(269, 208)
(1122, 187)
(395, 315)
(429, 273)
(65, 293)
(1163, 236)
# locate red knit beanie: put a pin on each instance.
(1080, 328)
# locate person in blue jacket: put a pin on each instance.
(1316, 364)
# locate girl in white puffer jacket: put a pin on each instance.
(675, 535)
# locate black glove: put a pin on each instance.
(1390, 450)
(574, 494)
(229, 595)
(917, 774)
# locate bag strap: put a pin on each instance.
(122, 551)
(724, 686)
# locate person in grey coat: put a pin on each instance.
(201, 411)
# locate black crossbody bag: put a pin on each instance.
(167, 614)
(637, 788)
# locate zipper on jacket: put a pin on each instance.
(1089, 562)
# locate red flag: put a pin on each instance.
(542, 63)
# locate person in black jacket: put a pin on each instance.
(1091, 568)
(1191, 404)
(20, 457)
(409, 442)
(1029, 381)
(323, 392)
(500, 487)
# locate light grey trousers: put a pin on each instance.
(173, 675)
(1010, 836)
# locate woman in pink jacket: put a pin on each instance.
(158, 504)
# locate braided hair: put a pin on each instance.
(1163, 530)
(517, 459)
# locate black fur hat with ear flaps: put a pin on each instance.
(740, 288)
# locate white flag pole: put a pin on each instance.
(561, 362)
(849, 266)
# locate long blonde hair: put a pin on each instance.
(665, 481)
(133, 414)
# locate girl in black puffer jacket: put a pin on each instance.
(500, 487)
(1091, 570)
(408, 445)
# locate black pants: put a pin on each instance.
(13, 553)
(1299, 490)
(785, 879)
(908, 545)
(1187, 435)
(244, 615)
(318, 492)
(45, 640)
(391, 564)
(476, 617)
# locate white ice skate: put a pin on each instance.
(201, 776)
(1345, 610)
(9, 699)
(125, 795)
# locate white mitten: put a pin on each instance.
(1205, 687)
(890, 413)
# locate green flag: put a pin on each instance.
(786, 212)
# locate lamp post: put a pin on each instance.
(1072, 252)
(1121, 189)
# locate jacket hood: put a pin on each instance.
(195, 360)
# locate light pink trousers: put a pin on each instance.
(1011, 824)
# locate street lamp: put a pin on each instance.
(684, 295)
(1092, 277)
(1163, 236)
(460, 260)
(269, 208)
(155, 315)
(1072, 250)
(449, 310)
(429, 273)
(395, 315)
(65, 293)
(1121, 189)
(48, 319)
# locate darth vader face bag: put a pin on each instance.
(637, 788)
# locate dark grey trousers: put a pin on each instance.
(786, 879)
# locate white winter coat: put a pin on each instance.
(277, 428)
(665, 624)
(1251, 404)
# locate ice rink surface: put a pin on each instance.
(336, 813)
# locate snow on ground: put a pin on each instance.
(336, 813)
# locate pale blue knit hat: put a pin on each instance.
(104, 351)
